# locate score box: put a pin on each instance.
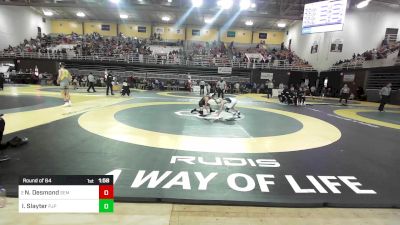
(66, 194)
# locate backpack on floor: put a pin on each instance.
(17, 141)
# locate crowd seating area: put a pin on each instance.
(131, 50)
(88, 44)
(358, 60)
(237, 54)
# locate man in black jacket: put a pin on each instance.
(109, 80)
(3, 157)
(1, 81)
(2, 125)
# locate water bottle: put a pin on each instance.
(3, 198)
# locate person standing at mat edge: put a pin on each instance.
(91, 81)
(109, 80)
(344, 94)
(64, 78)
(221, 85)
(202, 85)
(270, 87)
(2, 81)
(385, 95)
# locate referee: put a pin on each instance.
(221, 86)
(385, 95)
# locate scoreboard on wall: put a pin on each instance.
(66, 194)
(324, 16)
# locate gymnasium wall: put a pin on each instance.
(130, 29)
(170, 33)
(273, 37)
(364, 29)
(91, 27)
(18, 23)
(66, 26)
(206, 35)
(241, 36)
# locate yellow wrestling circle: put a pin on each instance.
(315, 133)
(353, 114)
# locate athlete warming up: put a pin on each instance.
(64, 78)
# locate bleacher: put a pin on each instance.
(384, 56)
(377, 80)
(137, 52)
(180, 74)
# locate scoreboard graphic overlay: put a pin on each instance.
(66, 194)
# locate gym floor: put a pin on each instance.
(311, 146)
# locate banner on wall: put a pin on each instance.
(225, 70)
(141, 29)
(349, 77)
(159, 30)
(267, 76)
(337, 45)
(105, 27)
(314, 47)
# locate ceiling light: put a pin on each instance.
(169, 1)
(281, 25)
(114, 1)
(80, 14)
(197, 3)
(48, 13)
(225, 4)
(253, 5)
(208, 20)
(249, 23)
(245, 4)
(362, 4)
(123, 16)
(165, 18)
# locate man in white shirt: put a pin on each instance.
(344, 93)
(385, 95)
(237, 88)
(91, 81)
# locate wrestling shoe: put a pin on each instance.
(193, 110)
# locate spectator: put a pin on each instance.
(344, 94)
(125, 89)
(2, 80)
(385, 96)
(202, 86)
(270, 86)
(109, 82)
